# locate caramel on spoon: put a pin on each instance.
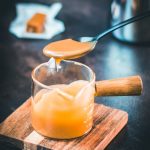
(67, 49)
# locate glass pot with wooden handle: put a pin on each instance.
(63, 99)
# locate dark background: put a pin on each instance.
(110, 59)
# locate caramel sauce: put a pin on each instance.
(50, 107)
(59, 113)
(67, 49)
(36, 23)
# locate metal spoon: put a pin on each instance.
(70, 49)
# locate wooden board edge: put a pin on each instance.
(101, 146)
(114, 132)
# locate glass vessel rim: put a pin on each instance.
(92, 76)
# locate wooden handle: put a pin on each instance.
(120, 87)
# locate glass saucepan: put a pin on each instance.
(63, 98)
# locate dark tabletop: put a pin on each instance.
(110, 59)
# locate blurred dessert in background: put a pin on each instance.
(36, 23)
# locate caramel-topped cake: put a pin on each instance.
(36, 23)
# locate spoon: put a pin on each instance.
(115, 27)
(70, 49)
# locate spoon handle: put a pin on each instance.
(120, 87)
(126, 22)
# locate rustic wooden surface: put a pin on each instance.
(17, 130)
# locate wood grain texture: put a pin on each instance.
(120, 87)
(17, 130)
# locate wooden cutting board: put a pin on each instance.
(17, 130)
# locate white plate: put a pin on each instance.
(26, 11)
